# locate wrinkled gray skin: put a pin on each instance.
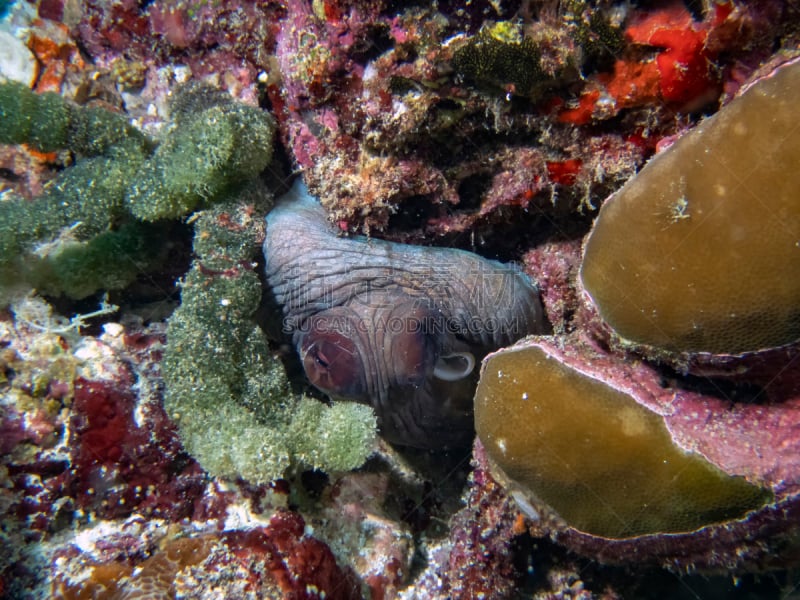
(399, 327)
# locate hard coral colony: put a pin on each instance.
(650, 424)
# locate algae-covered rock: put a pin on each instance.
(500, 57)
(110, 261)
(700, 252)
(84, 201)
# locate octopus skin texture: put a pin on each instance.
(395, 326)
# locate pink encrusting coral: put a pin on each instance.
(484, 528)
(209, 37)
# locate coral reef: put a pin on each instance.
(408, 144)
(79, 444)
(232, 39)
(366, 164)
(410, 123)
(291, 565)
(87, 445)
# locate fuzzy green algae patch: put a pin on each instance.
(91, 228)
(602, 462)
(700, 252)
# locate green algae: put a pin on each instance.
(225, 388)
(48, 123)
(524, 58)
(120, 178)
(598, 36)
(496, 59)
(215, 144)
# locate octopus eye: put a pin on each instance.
(332, 363)
(322, 361)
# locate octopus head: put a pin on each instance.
(348, 354)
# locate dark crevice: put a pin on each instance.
(376, 41)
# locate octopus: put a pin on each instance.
(396, 326)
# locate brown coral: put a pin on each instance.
(699, 252)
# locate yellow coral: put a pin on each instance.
(508, 32)
(606, 465)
